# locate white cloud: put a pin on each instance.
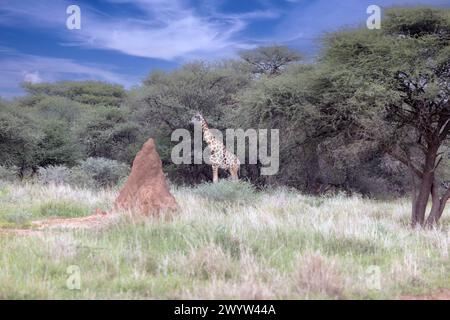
(172, 31)
(166, 30)
(32, 77)
(35, 69)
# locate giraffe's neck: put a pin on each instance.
(207, 135)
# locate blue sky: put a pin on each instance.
(121, 41)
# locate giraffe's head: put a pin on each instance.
(197, 119)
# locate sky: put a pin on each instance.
(121, 41)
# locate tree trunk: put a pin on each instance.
(438, 205)
(420, 206)
(435, 203)
(413, 193)
(425, 189)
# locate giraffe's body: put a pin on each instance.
(220, 157)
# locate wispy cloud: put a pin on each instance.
(170, 30)
(30, 68)
(305, 24)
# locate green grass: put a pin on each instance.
(277, 244)
(67, 209)
(22, 203)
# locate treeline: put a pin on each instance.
(355, 119)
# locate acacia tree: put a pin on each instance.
(391, 89)
(270, 60)
(167, 101)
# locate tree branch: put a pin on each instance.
(406, 161)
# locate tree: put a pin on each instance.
(282, 103)
(312, 156)
(270, 60)
(86, 92)
(57, 145)
(108, 132)
(19, 136)
(54, 117)
(390, 89)
(167, 101)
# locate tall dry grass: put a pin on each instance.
(281, 245)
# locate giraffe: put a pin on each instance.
(220, 157)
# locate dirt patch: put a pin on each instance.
(441, 294)
(21, 232)
(146, 191)
(97, 220)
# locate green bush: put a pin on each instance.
(108, 133)
(8, 173)
(19, 136)
(227, 191)
(91, 173)
(87, 92)
(81, 178)
(104, 172)
(19, 218)
(57, 146)
(54, 174)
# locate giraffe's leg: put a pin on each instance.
(234, 172)
(215, 173)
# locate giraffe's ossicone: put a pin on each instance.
(220, 157)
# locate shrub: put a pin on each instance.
(81, 178)
(19, 218)
(104, 172)
(109, 133)
(54, 174)
(227, 191)
(92, 172)
(8, 173)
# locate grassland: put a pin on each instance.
(224, 243)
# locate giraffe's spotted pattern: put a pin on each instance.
(220, 157)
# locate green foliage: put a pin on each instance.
(336, 117)
(8, 173)
(57, 146)
(109, 133)
(90, 173)
(39, 134)
(82, 178)
(59, 108)
(19, 135)
(86, 92)
(269, 60)
(167, 101)
(381, 81)
(417, 22)
(54, 174)
(285, 103)
(105, 172)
